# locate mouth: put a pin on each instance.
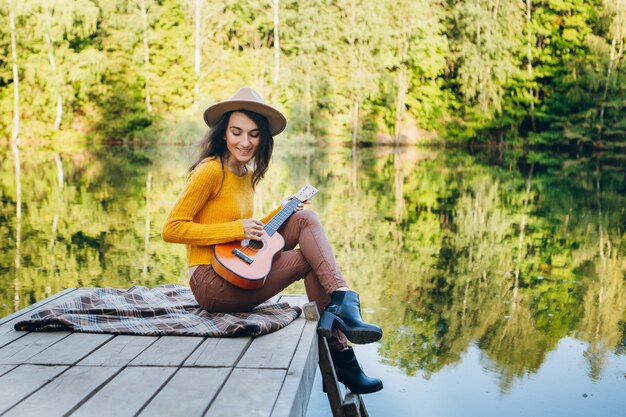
(244, 152)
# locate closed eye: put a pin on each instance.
(236, 131)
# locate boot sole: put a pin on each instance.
(363, 337)
(365, 391)
(355, 335)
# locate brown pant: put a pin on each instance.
(314, 260)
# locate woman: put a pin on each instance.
(216, 206)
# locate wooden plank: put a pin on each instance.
(294, 396)
(128, 375)
(353, 405)
(168, 351)
(275, 298)
(18, 314)
(188, 393)
(216, 351)
(263, 351)
(248, 392)
(8, 335)
(294, 299)
(31, 344)
(329, 378)
(127, 393)
(119, 351)
(22, 381)
(5, 368)
(63, 393)
(70, 350)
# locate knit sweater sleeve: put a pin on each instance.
(202, 183)
(269, 217)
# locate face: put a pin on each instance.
(242, 138)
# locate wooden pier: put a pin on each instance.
(87, 374)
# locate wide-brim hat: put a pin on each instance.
(246, 99)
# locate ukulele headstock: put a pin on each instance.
(306, 193)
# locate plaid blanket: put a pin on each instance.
(163, 310)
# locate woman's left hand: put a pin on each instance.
(299, 207)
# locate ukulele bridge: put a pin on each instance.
(239, 254)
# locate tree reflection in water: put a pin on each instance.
(512, 252)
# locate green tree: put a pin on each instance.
(485, 37)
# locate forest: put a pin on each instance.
(506, 72)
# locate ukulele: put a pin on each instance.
(246, 263)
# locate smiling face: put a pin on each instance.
(242, 140)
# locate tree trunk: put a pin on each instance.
(55, 220)
(521, 238)
(530, 61)
(146, 54)
(18, 223)
(53, 64)
(398, 186)
(355, 121)
(16, 89)
(198, 49)
(355, 69)
(59, 164)
(479, 48)
(400, 104)
(276, 44)
(18, 192)
(612, 59)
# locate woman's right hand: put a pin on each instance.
(252, 229)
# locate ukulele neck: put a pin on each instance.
(279, 218)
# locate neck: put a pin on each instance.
(236, 167)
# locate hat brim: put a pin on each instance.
(277, 122)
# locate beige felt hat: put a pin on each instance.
(246, 99)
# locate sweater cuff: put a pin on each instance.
(273, 213)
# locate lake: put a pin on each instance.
(497, 277)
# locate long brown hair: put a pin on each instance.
(214, 145)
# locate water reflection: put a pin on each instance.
(507, 255)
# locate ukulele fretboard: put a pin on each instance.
(274, 224)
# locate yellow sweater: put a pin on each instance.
(210, 210)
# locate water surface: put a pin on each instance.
(499, 279)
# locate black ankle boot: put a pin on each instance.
(350, 374)
(344, 313)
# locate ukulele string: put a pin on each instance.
(273, 224)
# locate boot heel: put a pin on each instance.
(325, 325)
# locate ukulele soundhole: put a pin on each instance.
(255, 244)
